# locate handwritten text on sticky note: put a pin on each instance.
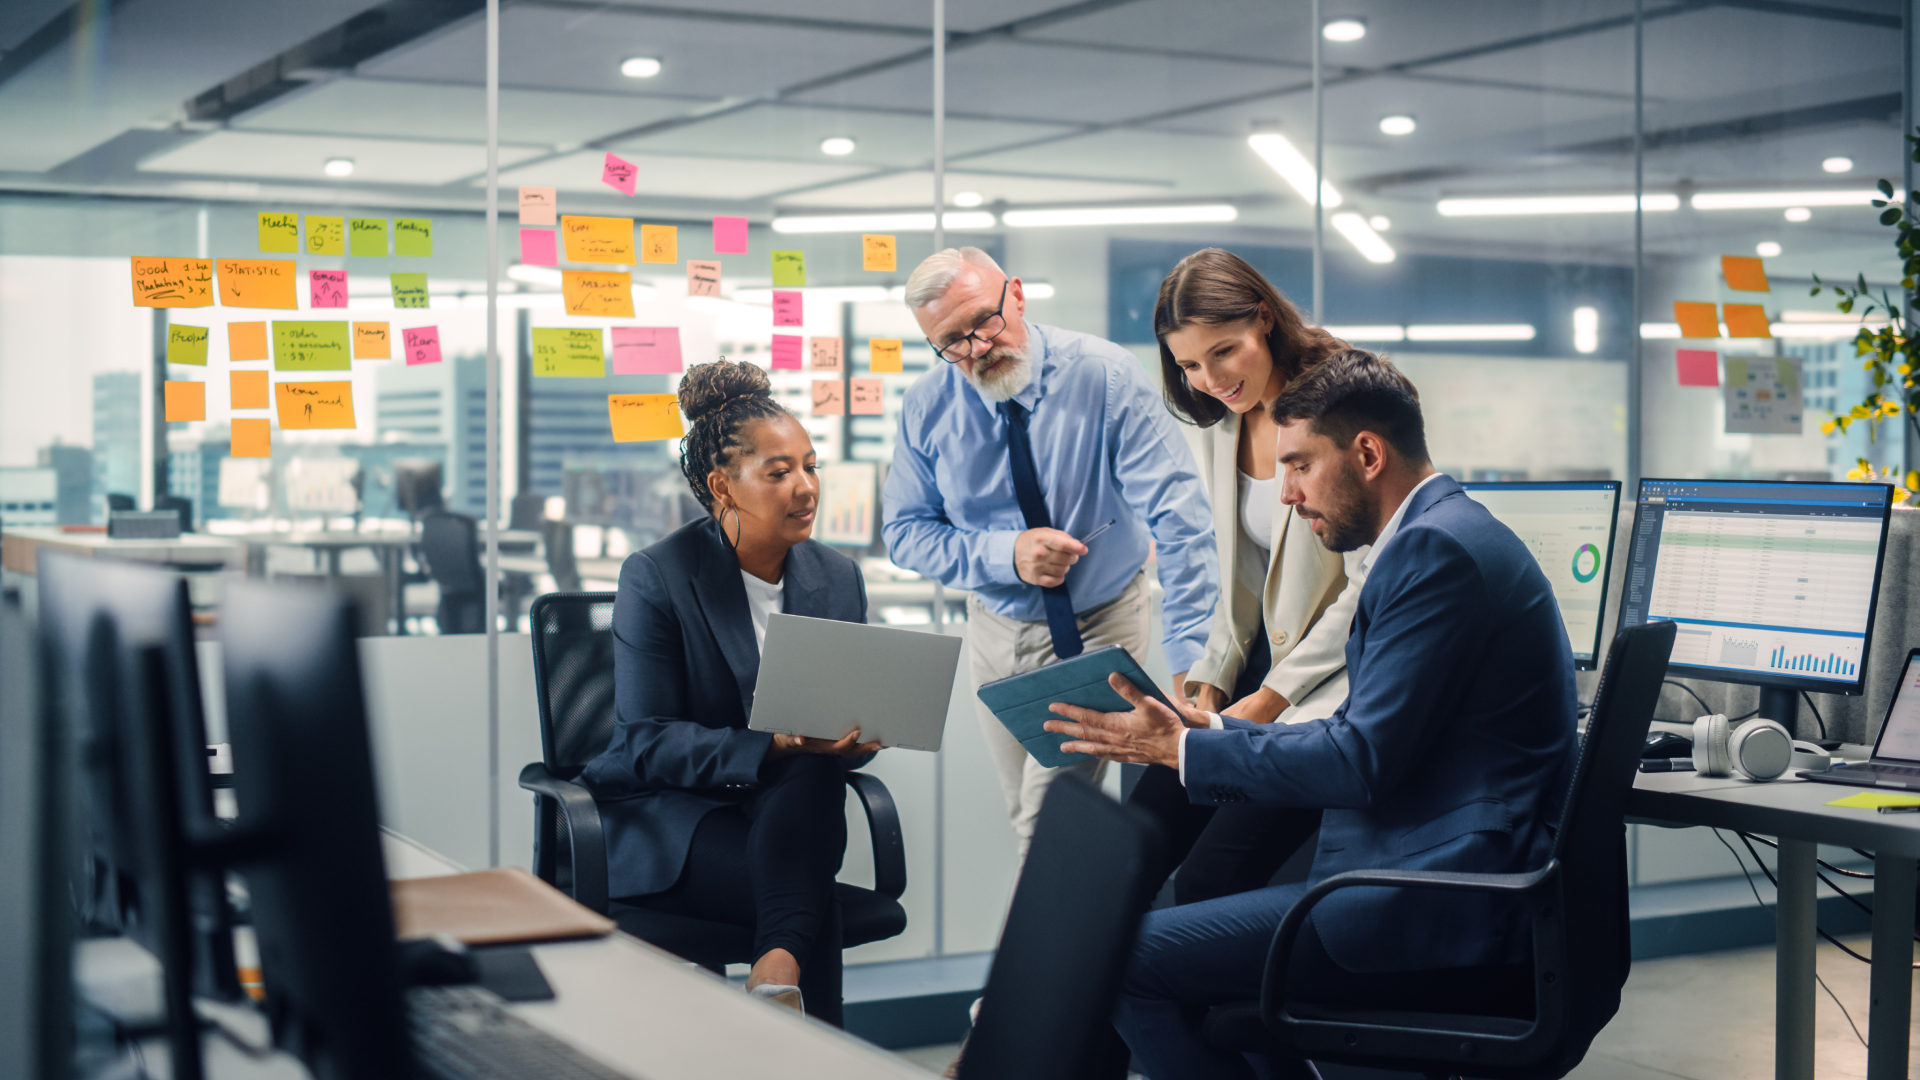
(186, 401)
(789, 269)
(646, 350)
(825, 353)
(371, 341)
(314, 405)
(413, 237)
(829, 397)
(597, 239)
(537, 248)
(878, 252)
(257, 283)
(171, 283)
(729, 236)
(786, 352)
(787, 308)
(422, 344)
(604, 293)
(644, 417)
(867, 397)
(326, 288)
(659, 244)
(311, 346)
(186, 345)
(367, 237)
(619, 174)
(409, 290)
(703, 277)
(564, 353)
(537, 205)
(280, 233)
(246, 341)
(883, 355)
(326, 235)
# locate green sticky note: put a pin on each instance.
(186, 345)
(409, 290)
(1786, 374)
(563, 353)
(367, 236)
(789, 269)
(326, 235)
(280, 232)
(312, 346)
(1736, 371)
(1874, 800)
(413, 237)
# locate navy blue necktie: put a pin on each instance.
(1033, 507)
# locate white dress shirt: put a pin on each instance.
(763, 599)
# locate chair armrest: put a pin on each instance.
(586, 842)
(883, 823)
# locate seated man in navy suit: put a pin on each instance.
(1450, 753)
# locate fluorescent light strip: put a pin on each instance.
(1470, 332)
(1117, 215)
(1557, 204)
(1586, 329)
(1367, 333)
(1292, 166)
(1035, 290)
(897, 223)
(1363, 238)
(1777, 200)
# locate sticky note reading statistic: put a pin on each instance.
(659, 244)
(186, 401)
(646, 350)
(564, 353)
(326, 235)
(1697, 367)
(1696, 320)
(409, 290)
(883, 355)
(248, 390)
(1745, 273)
(597, 239)
(367, 237)
(787, 308)
(729, 236)
(537, 205)
(878, 252)
(187, 345)
(327, 288)
(311, 346)
(258, 283)
(601, 293)
(246, 341)
(1746, 320)
(252, 437)
(413, 237)
(538, 247)
(787, 349)
(829, 397)
(789, 269)
(825, 353)
(867, 397)
(619, 174)
(171, 283)
(703, 277)
(314, 405)
(371, 341)
(644, 417)
(280, 233)
(422, 344)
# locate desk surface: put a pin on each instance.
(1792, 808)
(19, 547)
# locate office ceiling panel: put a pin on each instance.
(419, 110)
(1183, 166)
(729, 179)
(974, 15)
(914, 190)
(300, 157)
(886, 139)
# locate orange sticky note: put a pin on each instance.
(605, 293)
(866, 397)
(1745, 273)
(187, 401)
(829, 398)
(597, 239)
(246, 341)
(371, 341)
(305, 406)
(883, 354)
(878, 252)
(172, 282)
(659, 244)
(644, 417)
(258, 283)
(252, 437)
(1695, 319)
(248, 390)
(1746, 320)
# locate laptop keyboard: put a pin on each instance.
(465, 1033)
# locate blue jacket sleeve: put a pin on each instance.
(918, 534)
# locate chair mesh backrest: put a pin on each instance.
(448, 542)
(573, 676)
(1616, 732)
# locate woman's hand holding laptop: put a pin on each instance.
(848, 745)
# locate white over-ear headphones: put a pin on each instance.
(1757, 750)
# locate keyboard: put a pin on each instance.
(466, 1033)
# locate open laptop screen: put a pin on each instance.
(1900, 736)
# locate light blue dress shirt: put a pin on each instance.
(1105, 447)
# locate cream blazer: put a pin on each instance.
(1308, 603)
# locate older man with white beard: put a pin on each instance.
(1026, 440)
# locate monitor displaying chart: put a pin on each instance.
(1569, 528)
(1770, 583)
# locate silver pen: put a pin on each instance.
(1090, 537)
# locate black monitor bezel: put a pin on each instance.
(1606, 570)
(1900, 681)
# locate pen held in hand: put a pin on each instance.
(1090, 537)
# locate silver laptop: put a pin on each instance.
(1896, 753)
(823, 678)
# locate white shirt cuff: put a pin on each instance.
(1214, 723)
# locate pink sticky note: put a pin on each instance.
(1698, 367)
(786, 351)
(786, 307)
(537, 248)
(646, 350)
(327, 288)
(729, 236)
(619, 174)
(867, 397)
(423, 345)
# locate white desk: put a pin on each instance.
(20, 547)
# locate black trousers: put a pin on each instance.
(769, 863)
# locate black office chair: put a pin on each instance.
(449, 543)
(527, 511)
(117, 501)
(573, 679)
(180, 505)
(1578, 902)
(556, 537)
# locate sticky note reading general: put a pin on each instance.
(1696, 320)
(604, 293)
(729, 236)
(1744, 272)
(597, 239)
(1697, 367)
(327, 288)
(883, 355)
(413, 237)
(537, 205)
(326, 235)
(789, 269)
(312, 405)
(786, 352)
(537, 248)
(878, 252)
(371, 342)
(186, 345)
(619, 174)
(703, 277)
(258, 283)
(1746, 320)
(829, 398)
(311, 346)
(787, 308)
(252, 437)
(248, 390)
(866, 397)
(171, 283)
(186, 401)
(825, 353)
(659, 244)
(246, 341)
(409, 290)
(280, 233)
(563, 353)
(367, 237)
(646, 350)
(423, 344)
(644, 417)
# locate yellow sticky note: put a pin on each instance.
(1787, 373)
(604, 293)
(371, 341)
(644, 417)
(409, 290)
(659, 244)
(258, 283)
(597, 239)
(563, 353)
(1744, 272)
(789, 269)
(413, 237)
(172, 283)
(251, 437)
(1746, 320)
(186, 401)
(246, 341)
(248, 390)
(367, 237)
(326, 235)
(186, 345)
(877, 252)
(1696, 320)
(280, 233)
(883, 354)
(309, 405)
(1874, 800)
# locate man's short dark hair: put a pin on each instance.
(1353, 391)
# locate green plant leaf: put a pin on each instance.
(1890, 215)
(1886, 188)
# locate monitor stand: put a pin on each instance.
(1782, 706)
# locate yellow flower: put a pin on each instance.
(1828, 427)
(1857, 473)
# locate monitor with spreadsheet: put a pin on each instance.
(1569, 528)
(1771, 583)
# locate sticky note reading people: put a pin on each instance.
(186, 345)
(538, 248)
(252, 437)
(537, 205)
(829, 397)
(789, 269)
(787, 349)
(413, 237)
(603, 293)
(186, 401)
(246, 341)
(171, 283)
(644, 417)
(825, 353)
(866, 397)
(280, 233)
(248, 390)
(1744, 272)
(659, 244)
(1696, 320)
(423, 344)
(409, 290)
(883, 355)
(257, 283)
(367, 237)
(729, 236)
(786, 308)
(311, 346)
(306, 406)
(1697, 367)
(703, 277)
(326, 235)
(567, 354)
(646, 350)
(327, 288)
(878, 252)
(597, 239)
(371, 342)
(619, 174)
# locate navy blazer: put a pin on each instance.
(684, 667)
(1450, 753)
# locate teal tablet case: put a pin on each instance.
(1020, 701)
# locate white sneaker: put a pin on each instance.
(780, 994)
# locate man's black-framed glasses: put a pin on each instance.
(983, 331)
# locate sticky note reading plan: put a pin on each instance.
(866, 397)
(877, 252)
(370, 341)
(248, 390)
(537, 248)
(789, 269)
(280, 233)
(829, 398)
(423, 344)
(186, 345)
(825, 353)
(659, 244)
(367, 237)
(310, 346)
(644, 417)
(883, 355)
(729, 236)
(257, 283)
(314, 405)
(619, 174)
(786, 352)
(703, 277)
(597, 239)
(604, 293)
(409, 290)
(1696, 320)
(537, 205)
(413, 237)
(646, 350)
(327, 288)
(1744, 272)
(246, 341)
(186, 401)
(326, 235)
(786, 308)
(171, 283)
(1697, 367)
(562, 353)
(1746, 320)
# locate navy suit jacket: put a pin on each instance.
(684, 666)
(1450, 753)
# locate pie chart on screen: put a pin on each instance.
(1586, 563)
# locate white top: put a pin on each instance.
(1393, 524)
(1256, 510)
(763, 599)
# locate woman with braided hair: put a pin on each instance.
(704, 817)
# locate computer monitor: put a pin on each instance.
(1771, 583)
(304, 783)
(416, 486)
(1569, 527)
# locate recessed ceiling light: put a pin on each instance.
(1767, 248)
(1363, 238)
(640, 67)
(1396, 125)
(1586, 329)
(969, 198)
(836, 145)
(1798, 213)
(339, 166)
(1380, 222)
(1838, 164)
(1345, 30)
